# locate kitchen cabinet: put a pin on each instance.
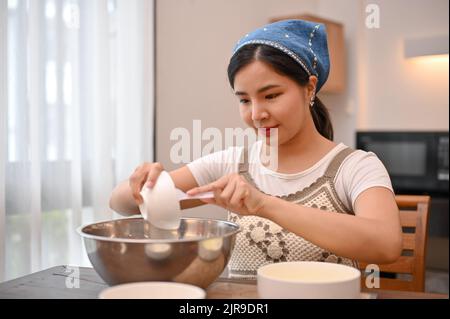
(337, 78)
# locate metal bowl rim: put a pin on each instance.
(156, 241)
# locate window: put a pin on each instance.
(73, 68)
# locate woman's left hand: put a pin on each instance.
(233, 193)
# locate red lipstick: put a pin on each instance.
(266, 130)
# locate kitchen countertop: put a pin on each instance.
(55, 283)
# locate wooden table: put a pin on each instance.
(55, 283)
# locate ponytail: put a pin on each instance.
(321, 119)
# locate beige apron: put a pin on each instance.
(262, 241)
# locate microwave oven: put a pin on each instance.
(417, 162)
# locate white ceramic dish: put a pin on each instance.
(308, 280)
(153, 290)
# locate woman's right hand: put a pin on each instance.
(145, 174)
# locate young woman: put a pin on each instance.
(325, 201)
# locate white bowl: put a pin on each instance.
(160, 205)
(153, 290)
(308, 280)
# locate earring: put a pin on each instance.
(311, 103)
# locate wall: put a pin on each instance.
(406, 94)
(386, 91)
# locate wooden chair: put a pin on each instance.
(408, 272)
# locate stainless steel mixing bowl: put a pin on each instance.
(131, 250)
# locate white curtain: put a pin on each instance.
(76, 117)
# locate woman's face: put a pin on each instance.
(270, 100)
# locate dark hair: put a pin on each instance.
(285, 65)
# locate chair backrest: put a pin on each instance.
(408, 272)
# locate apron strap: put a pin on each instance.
(244, 168)
(243, 162)
(333, 167)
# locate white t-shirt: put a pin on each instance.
(359, 171)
